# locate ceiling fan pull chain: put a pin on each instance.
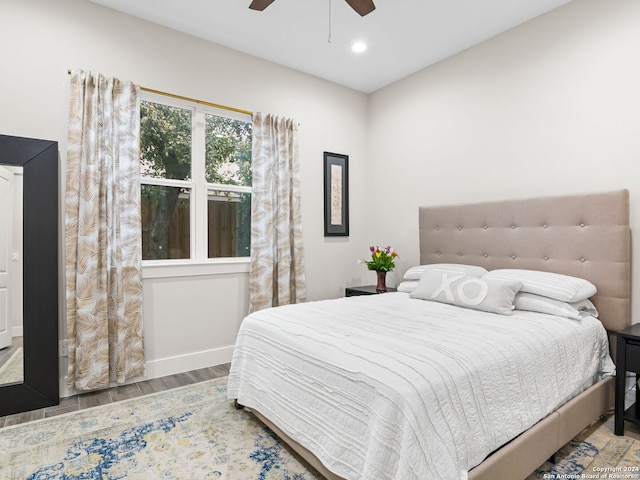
(329, 39)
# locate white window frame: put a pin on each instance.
(199, 263)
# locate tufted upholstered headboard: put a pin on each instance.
(585, 236)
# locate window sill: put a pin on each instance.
(192, 268)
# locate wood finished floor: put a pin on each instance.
(116, 394)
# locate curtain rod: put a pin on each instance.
(180, 97)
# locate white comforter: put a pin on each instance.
(387, 387)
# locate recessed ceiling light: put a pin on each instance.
(358, 47)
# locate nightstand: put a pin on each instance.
(627, 360)
(364, 290)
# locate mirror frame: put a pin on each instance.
(40, 388)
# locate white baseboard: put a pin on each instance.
(165, 366)
(187, 362)
(16, 331)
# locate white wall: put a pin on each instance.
(190, 321)
(549, 108)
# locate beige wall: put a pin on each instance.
(549, 108)
(190, 320)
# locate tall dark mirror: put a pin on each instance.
(28, 274)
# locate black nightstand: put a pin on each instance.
(627, 360)
(364, 290)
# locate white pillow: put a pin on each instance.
(408, 286)
(414, 273)
(454, 288)
(553, 285)
(538, 303)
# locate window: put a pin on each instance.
(196, 180)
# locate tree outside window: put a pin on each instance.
(196, 182)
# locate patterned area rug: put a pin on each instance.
(191, 432)
(194, 432)
(597, 453)
(13, 371)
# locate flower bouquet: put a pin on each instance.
(382, 261)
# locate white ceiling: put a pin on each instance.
(403, 36)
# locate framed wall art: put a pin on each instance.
(336, 195)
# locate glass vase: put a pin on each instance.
(381, 286)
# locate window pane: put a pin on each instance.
(229, 224)
(165, 222)
(228, 151)
(165, 141)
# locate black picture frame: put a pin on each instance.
(40, 388)
(336, 195)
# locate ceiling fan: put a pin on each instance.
(363, 7)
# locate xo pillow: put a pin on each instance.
(553, 285)
(415, 273)
(488, 295)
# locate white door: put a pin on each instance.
(6, 225)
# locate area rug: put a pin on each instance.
(194, 432)
(596, 453)
(190, 432)
(13, 370)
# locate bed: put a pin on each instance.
(585, 236)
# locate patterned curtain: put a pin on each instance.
(103, 233)
(277, 262)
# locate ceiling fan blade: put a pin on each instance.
(363, 7)
(260, 4)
